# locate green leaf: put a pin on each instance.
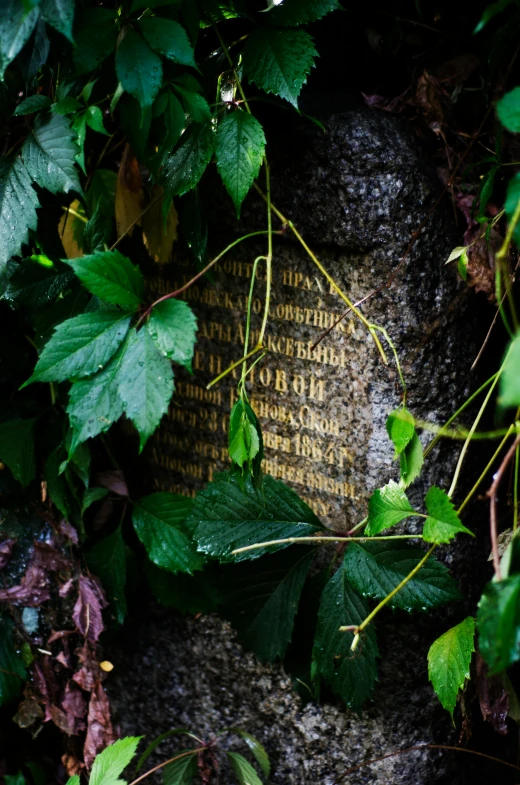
(181, 771)
(267, 604)
(301, 12)
(245, 437)
(168, 38)
(492, 10)
(67, 105)
(174, 120)
(33, 104)
(352, 675)
(94, 118)
(107, 560)
(73, 780)
(138, 68)
(449, 659)
(12, 671)
(279, 61)
(256, 748)
(110, 276)
(232, 513)
(33, 285)
(92, 495)
(96, 38)
(194, 104)
(97, 230)
(375, 568)
(400, 427)
(16, 27)
(49, 154)
(498, 623)
(172, 327)
(17, 448)
(159, 523)
(239, 147)
(102, 191)
(95, 403)
(386, 507)
(508, 110)
(110, 763)
(510, 379)
(411, 461)
(442, 523)
(186, 166)
(246, 775)
(79, 126)
(18, 203)
(147, 384)
(81, 346)
(60, 15)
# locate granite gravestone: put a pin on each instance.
(357, 193)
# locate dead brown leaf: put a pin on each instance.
(87, 610)
(159, 236)
(6, 549)
(129, 194)
(429, 101)
(89, 673)
(493, 697)
(481, 260)
(99, 725)
(70, 229)
(113, 480)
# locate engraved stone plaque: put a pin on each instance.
(356, 194)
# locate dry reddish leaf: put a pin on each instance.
(481, 260)
(113, 480)
(32, 591)
(458, 69)
(89, 673)
(493, 697)
(72, 765)
(159, 236)
(129, 194)
(70, 229)
(68, 531)
(393, 105)
(47, 557)
(87, 610)
(29, 710)
(6, 549)
(99, 725)
(429, 101)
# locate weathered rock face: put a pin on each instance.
(357, 193)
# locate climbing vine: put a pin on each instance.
(112, 118)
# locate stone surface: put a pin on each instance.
(357, 193)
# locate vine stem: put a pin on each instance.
(493, 525)
(200, 274)
(318, 539)
(486, 470)
(234, 365)
(166, 762)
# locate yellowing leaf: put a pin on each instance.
(70, 229)
(106, 666)
(158, 236)
(129, 194)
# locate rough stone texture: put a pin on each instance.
(194, 674)
(357, 194)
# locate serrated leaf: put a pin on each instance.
(498, 623)
(301, 12)
(174, 119)
(279, 61)
(195, 105)
(112, 277)
(92, 495)
(172, 327)
(400, 426)
(95, 403)
(411, 461)
(147, 384)
(60, 15)
(169, 39)
(138, 68)
(18, 203)
(508, 110)
(245, 437)
(17, 448)
(79, 126)
(351, 675)
(49, 154)
(94, 118)
(375, 568)
(510, 380)
(239, 147)
(183, 170)
(246, 775)
(33, 285)
(32, 104)
(181, 771)
(81, 346)
(96, 38)
(232, 513)
(158, 520)
(386, 507)
(256, 748)
(37, 56)
(107, 560)
(12, 671)
(97, 230)
(266, 606)
(16, 27)
(110, 763)
(442, 523)
(449, 659)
